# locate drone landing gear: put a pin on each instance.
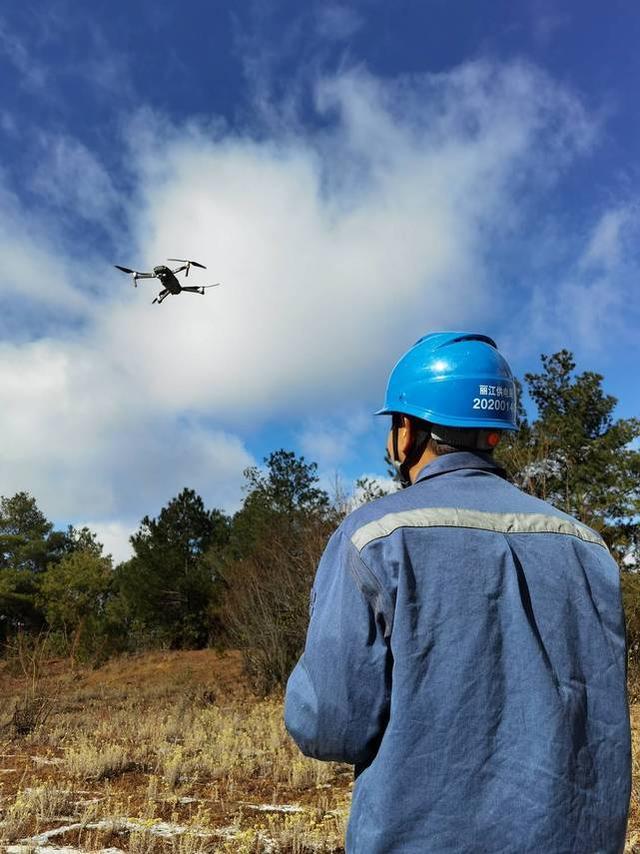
(162, 295)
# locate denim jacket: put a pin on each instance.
(466, 652)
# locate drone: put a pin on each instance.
(170, 284)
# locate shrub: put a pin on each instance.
(631, 600)
(266, 607)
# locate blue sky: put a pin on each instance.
(355, 174)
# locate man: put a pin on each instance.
(466, 648)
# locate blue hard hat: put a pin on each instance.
(456, 379)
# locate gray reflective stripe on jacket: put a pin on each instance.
(466, 652)
(454, 517)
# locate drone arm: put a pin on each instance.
(181, 268)
(135, 273)
(199, 289)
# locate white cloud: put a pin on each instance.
(8, 123)
(114, 536)
(605, 247)
(330, 444)
(33, 74)
(336, 250)
(587, 305)
(32, 269)
(70, 176)
(79, 434)
(547, 23)
(337, 22)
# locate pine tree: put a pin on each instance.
(576, 455)
(28, 544)
(168, 585)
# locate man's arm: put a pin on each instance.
(337, 700)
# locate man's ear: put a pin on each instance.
(405, 435)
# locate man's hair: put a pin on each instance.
(463, 437)
(439, 448)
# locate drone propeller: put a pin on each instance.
(133, 273)
(185, 261)
(188, 263)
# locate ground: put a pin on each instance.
(165, 752)
(161, 752)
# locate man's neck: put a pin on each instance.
(426, 458)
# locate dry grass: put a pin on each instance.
(166, 753)
(169, 753)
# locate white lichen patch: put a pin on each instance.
(56, 849)
(283, 808)
(232, 833)
(183, 800)
(47, 760)
(162, 829)
(46, 835)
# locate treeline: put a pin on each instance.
(199, 577)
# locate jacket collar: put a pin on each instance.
(457, 461)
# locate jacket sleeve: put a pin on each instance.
(337, 698)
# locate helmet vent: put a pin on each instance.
(472, 337)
